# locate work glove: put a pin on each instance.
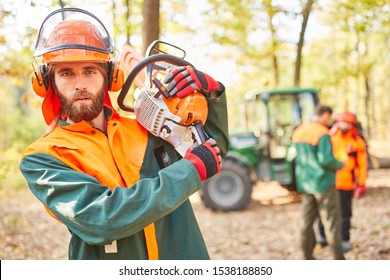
(206, 158)
(184, 80)
(360, 191)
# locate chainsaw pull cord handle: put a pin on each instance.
(138, 68)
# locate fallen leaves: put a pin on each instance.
(267, 230)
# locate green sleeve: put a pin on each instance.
(216, 125)
(325, 154)
(99, 215)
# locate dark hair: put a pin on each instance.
(322, 109)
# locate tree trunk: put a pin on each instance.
(275, 64)
(151, 22)
(368, 101)
(298, 63)
(127, 21)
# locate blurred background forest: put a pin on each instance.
(341, 47)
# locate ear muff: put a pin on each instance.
(116, 76)
(39, 80)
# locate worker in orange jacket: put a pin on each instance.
(123, 193)
(349, 148)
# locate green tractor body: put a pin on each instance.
(260, 152)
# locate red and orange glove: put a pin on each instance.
(184, 80)
(206, 158)
(360, 191)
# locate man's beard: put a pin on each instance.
(81, 112)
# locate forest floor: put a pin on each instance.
(267, 230)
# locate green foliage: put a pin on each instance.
(127, 17)
(19, 126)
(349, 62)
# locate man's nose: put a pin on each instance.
(81, 83)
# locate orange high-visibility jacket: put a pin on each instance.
(350, 148)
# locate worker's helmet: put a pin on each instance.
(346, 117)
(70, 35)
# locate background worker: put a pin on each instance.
(348, 147)
(315, 168)
(98, 172)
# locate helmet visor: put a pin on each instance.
(72, 28)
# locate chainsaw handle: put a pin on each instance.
(139, 67)
(203, 137)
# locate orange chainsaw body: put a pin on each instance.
(190, 109)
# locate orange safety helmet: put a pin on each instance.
(71, 35)
(346, 117)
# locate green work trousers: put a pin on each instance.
(327, 206)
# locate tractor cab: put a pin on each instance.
(272, 116)
(260, 153)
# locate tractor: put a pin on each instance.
(261, 151)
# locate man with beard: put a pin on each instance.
(80, 104)
(98, 172)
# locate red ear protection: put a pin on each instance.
(39, 80)
(116, 76)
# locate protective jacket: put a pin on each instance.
(124, 194)
(349, 147)
(315, 164)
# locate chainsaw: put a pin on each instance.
(179, 121)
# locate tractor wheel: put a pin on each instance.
(229, 190)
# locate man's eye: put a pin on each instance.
(66, 74)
